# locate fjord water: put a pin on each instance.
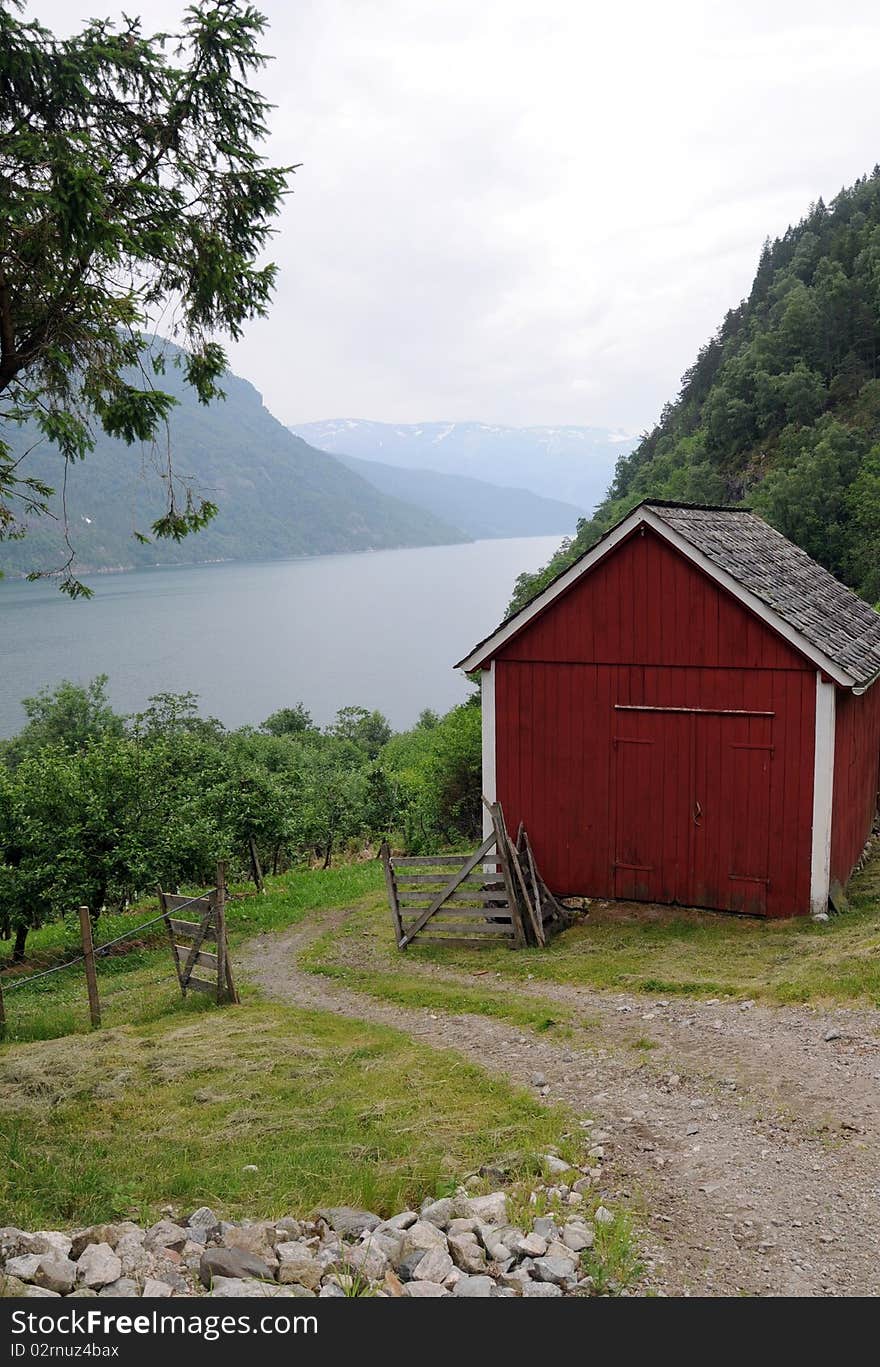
(379, 630)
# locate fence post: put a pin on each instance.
(85, 925)
(2, 1012)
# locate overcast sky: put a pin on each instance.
(533, 211)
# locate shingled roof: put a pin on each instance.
(821, 610)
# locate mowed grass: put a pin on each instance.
(136, 981)
(666, 951)
(328, 1110)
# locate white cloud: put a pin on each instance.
(535, 211)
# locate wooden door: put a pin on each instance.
(729, 863)
(652, 762)
(692, 807)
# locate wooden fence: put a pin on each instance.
(210, 928)
(493, 896)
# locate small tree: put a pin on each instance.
(131, 189)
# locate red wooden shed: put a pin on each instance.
(690, 713)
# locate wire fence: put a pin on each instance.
(98, 952)
(211, 923)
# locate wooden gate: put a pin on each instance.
(210, 928)
(493, 896)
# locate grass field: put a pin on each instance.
(171, 1113)
(137, 983)
(639, 949)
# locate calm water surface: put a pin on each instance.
(380, 630)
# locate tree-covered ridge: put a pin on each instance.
(781, 409)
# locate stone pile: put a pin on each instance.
(457, 1246)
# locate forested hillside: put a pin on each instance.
(781, 409)
(277, 496)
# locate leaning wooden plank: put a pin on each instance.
(175, 901)
(534, 916)
(391, 889)
(502, 842)
(477, 896)
(200, 985)
(467, 913)
(186, 971)
(169, 927)
(468, 943)
(472, 863)
(187, 930)
(468, 928)
(421, 880)
(413, 860)
(202, 959)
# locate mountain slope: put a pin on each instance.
(277, 495)
(781, 409)
(480, 509)
(569, 463)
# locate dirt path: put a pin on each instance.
(750, 1141)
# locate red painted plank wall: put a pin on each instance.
(856, 778)
(556, 765)
(646, 604)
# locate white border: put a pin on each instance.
(487, 692)
(823, 795)
(645, 516)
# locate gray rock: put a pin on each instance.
(541, 1289)
(203, 1218)
(24, 1266)
(539, 1080)
(439, 1213)
(555, 1165)
(98, 1265)
(17, 1243)
(467, 1253)
(125, 1286)
(531, 1246)
(347, 1221)
(57, 1243)
(423, 1235)
(408, 1264)
(330, 1289)
(36, 1291)
(435, 1266)
(558, 1270)
(474, 1286)
(578, 1237)
(603, 1216)
(424, 1289)
(95, 1234)
(492, 1209)
(55, 1274)
(153, 1289)
(243, 1288)
(231, 1262)
(401, 1221)
(136, 1261)
(370, 1261)
(546, 1227)
(463, 1226)
(257, 1239)
(11, 1287)
(165, 1234)
(297, 1263)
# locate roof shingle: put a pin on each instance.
(826, 613)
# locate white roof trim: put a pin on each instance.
(646, 516)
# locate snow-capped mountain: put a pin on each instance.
(574, 464)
